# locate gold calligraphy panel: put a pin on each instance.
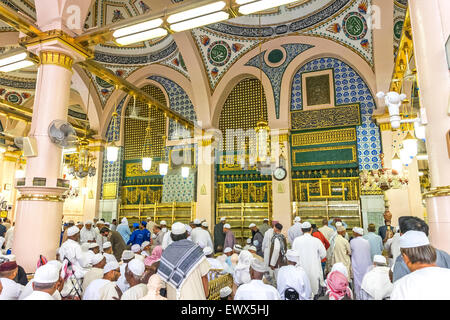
(323, 137)
(134, 169)
(110, 190)
(326, 118)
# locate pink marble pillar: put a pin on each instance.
(430, 20)
(39, 208)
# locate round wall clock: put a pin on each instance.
(280, 173)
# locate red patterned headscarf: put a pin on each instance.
(156, 256)
(337, 286)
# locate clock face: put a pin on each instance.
(280, 173)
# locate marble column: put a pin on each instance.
(430, 30)
(40, 205)
(205, 182)
(282, 190)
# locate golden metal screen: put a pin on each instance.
(135, 129)
(242, 109)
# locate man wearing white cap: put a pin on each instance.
(248, 243)
(392, 246)
(257, 239)
(98, 261)
(199, 234)
(57, 295)
(256, 289)
(226, 294)
(183, 267)
(376, 284)
(293, 277)
(215, 264)
(159, 235)
(361, 259)
(342, 250)
(105, 288)
(230, 240)
(136, 249)
(426, 281)
(127, 256)
(145, 249)
(107, 252)
(87, 234)
(133, 273)
(163, 225)
(311, 251)
(8, 271)
(295, 230)
(71, 250)
(252, 250)
(219, 235)
(150, 224)
(264, 226)
(46, 281)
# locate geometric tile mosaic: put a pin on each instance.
(179, 189)
(349, 88)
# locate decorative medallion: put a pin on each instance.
(398, 28)
(219, 53)
(355, 26)
(13, 97)
(275, 56)
(102, 83)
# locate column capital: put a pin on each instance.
(56, 58)
(437, 192)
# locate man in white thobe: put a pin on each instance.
(311, 251)
(256, 289)
(392, 246)
(426, 281)
(215, 264)
(376, 284)
(105, 288)
(326, 230)
(57, 295)
(127, 256)
(98, 261)
(9, 238)
(342, 250)
(294, 277)
(133, 273)
(88, 234)
(361, 259)
(11, 290)
(107, 252)
(295, 231)
(46, 281)
(71, 250)
(200, 235)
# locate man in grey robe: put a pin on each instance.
(361, 259)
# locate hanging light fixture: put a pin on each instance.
(397, 163)
(163, 165)
(405, 157)
(147, 159)
(410, 144)
(112, 149)
(185, 172)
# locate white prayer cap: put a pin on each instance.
(358, 230)
(297, 219)
(48, 273)
(9, 257)
(252, 248)
(55, 263)
(72, 231)
(188, 228)
(93, 245)
(71, 221)
(227, 226)
(107, 224)
(306, 225)
(252, 225)
(113, 265)
(144, 244)
(163, 223)
(79, 223)
(99, 222)
(227, 249)
(107, 245)
(178, 228)
(197, 221)
(127, 255)
(379, 259)
(135, 248)
(292, 255)
(237, 248)
(258, 266)
(225, 292)
(88, 222)
(266, 219)
(341, 228)
(137, 267)
(340, 267)
(207, 251)
(413, 239)
(338, 224)
(223, 219)
(97, 258)
(205, 224)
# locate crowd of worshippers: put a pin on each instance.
(108, 261)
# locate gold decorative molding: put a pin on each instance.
(385, 126)
(40, 197)
(110, 190)
(324, 137)
(283, 138)
(56, 58)
(437, 192)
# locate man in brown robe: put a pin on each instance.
(117, 243)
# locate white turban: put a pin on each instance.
(197, 221)
(225, 292)
(413, 239)
(127, 255)
(97, 258)
(227, 226)
(48, 273)
(72, 231)
(88, 222)
(178, 228)
(223, 219)
(227, 249)
(297, 219)
(258, 266)
(379, 259)
(93, 245)
(207, 251)
(237, 248)
(144, 244)
(113, 265)
(306, 225)
(135, 248)
(252, 225)
(292, 255)
(340, 228)
(137, 267)
(358, 230)
(252, 248)
(107, 245)
(205, 224)
(340, 267)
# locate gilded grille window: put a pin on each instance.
(135, 129)
(242, 109)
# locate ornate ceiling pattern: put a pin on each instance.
(400, 8)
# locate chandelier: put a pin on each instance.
(112, 149)
(82, 163)
(384, 179)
